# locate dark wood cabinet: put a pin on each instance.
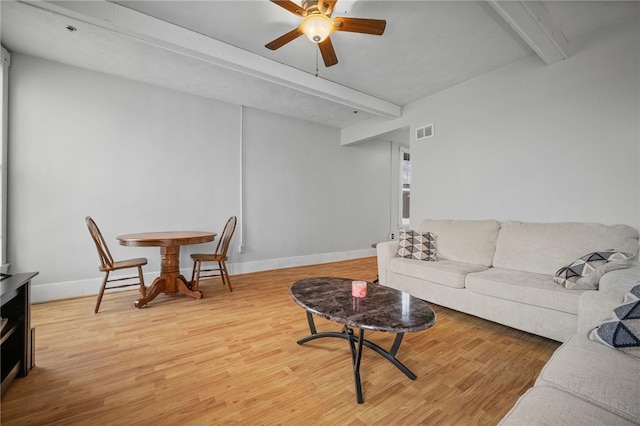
(16, 338)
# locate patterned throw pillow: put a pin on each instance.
(417, 245)
(585, 273)
(623, 330)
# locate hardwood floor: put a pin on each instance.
(232, 358)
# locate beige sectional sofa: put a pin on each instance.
(584, 383)
(503, 272)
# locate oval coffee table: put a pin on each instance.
(382, 309)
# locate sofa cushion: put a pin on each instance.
(546, 247)
(524, 287)
(600, 375)
(467, 241)
(443, 272)
(623, 331)
(543, 405)
(585, 273)
(417, 245)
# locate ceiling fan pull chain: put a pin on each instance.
(316, 63)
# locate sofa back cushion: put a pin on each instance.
(469, 241)
(544, 248)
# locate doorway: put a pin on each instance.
(405, 186)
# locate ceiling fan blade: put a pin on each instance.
(328, 53)
(284, 39)
(291, 7)
(360, 25)
(329, 5)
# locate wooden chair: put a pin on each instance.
(220, 257)
(107, 264)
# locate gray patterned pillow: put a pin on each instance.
(622, 332)
(417, 245)
(585, 273)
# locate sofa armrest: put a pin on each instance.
(593, 308)
(385, 251)
(620, 281)
(597, 306)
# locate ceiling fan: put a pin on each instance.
(318, 25)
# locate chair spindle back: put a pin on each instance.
(227, 234)
(103, 251)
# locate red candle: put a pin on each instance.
(358, 288)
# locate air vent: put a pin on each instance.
(424, 132)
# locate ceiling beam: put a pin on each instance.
(532, 22)
(163, 34)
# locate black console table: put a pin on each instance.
(16, 341)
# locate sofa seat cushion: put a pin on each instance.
(524, 287)
(444, 272)
(600, 375)
(542, 405)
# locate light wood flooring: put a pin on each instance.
(232, 358)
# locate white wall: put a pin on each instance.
(305, 194)
(538, 143)
(533, 142)
(142, 158)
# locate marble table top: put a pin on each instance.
(382, 309)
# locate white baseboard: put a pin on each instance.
(290, 262)
(46, 292)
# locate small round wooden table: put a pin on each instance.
(170, 280)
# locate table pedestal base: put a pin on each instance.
(170, 281)
(181, 285)
(356, 344)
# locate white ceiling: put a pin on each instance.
(216, 48)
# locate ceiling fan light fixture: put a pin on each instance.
(317, 27)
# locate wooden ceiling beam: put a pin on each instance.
(144, 28)
(531, 20)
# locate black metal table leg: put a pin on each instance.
(356, 343)
(388, 355)
(396, 344)
(356, 357)
(312, 325)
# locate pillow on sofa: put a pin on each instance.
(623, 330)
(585, 273)
(417, 245)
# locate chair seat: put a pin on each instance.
(209, 257)
(123, 264)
